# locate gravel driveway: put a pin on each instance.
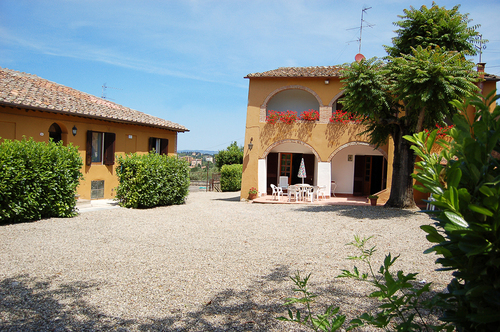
(213, 264)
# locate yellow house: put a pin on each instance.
(334, 154)
(34, 107)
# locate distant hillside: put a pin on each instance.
(198, 151)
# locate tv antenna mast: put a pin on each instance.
(481, 47)
(368, 25)
(103, 93)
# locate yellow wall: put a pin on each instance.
(16, 123)
(322, 136)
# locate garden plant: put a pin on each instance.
(151, 180)
(466, 236)
(38, 180)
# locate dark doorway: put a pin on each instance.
(272, 171)
(288, 164)
(370, 175)
(55, 132)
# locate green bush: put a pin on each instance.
(230, 177)
(467, 232)
(231, 156)
(151, 180)
(38, 180)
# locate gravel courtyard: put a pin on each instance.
(212, 264)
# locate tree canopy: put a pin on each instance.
(231, 155)
(435, 26)
(411, 89)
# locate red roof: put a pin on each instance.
(24, 90)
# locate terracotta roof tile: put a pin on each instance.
(318, 71)
(25, 90)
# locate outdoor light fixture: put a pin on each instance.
(74, 130)
(250, 145)
(327, 81)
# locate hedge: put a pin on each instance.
(151, 180)
(230, 177)
(38, 180)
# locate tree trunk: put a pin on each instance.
(403, 166)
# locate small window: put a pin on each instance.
(97, 142)
(97, 189)
(159, 145)
(55, 132)
(100, 148)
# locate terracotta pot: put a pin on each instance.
(373, 201)
(252, 196)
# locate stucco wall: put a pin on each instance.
(321, 138)
(16, 123)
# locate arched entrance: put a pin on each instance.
(359, 169)
(55, 132)
(282, 159)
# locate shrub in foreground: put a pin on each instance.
(38, 180)
(230, 177)
(151, 180)
(466, 191)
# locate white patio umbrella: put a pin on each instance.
(302, 170)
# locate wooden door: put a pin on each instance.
(367, 176)
(272, 171)
(359, 172)
(286, 166)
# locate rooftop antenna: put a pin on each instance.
(481, 47)
(103, 93)
(368, 25)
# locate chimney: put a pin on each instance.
(480, 69)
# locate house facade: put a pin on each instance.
(34, 107)
(335, 154)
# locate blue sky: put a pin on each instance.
(185, 61)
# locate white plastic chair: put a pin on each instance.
(293, 191)
(277, 192)
(283, 182)
(321, 192)
(311, 192)
(431, 207)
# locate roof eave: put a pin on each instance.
(90, 116)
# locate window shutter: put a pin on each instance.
(109, 149)
(152, 144)
(88, 152)
(164, 146)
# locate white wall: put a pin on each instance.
(323, 176)
(343, 170)
(262, 177)
(293, 100)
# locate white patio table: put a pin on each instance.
(304, 188)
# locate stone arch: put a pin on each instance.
(290, 87)
(343, 146)
(275, 144)
(335, 98)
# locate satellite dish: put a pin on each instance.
(359, 57)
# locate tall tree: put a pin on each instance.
(232, 155)
(412, 88)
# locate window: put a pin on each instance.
(97, 189)
(100, 148)
(55, 132)
(160, 145)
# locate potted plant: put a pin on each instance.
(373, 199)
(273, 117)
(288, 117)
(252, 193)
(310, 115)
